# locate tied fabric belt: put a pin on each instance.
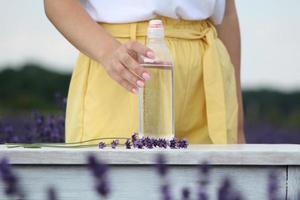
(212, 68)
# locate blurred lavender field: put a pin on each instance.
(32, 109)
(271, 134)
(50, 129)
(37, 128)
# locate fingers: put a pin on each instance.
(126, 78)
(127, 59)
(139, 48)
(123, 67)
(124, 83)
(128, 86)
(132, 78)
(134, 66)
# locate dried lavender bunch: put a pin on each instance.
(101, 145)
(128, 144)
(173, 143)
(163, 143)
(182, 144)
(134, 137)
(138, 144)
(148, 143)
(114, 143)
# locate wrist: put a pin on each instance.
(107, 48)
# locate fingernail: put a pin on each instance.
(150, 54)
(134, 90)
(140, 83)
(146, 76)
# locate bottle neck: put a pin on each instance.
(156, 40)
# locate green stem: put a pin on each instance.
(62, 145)
(84, 141)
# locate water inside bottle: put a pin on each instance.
(156, 102)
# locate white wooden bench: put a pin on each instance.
(132, 175)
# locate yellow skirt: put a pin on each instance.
(206, 108)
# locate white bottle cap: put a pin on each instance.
(155, 29)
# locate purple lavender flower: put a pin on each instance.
(128, 144)
(204, 170)
(99, 170)
(50, 129)
(204, 167)
(202, 195)
(102, 188)
(114, 143)
(8, 177)
(185, 193)
(134, 137)
(148, 143)
(101, 145)
(154, 142)
(173, 143)
(225, 190)
(272, 185)
(182, 144)
(142, 139)
(161, 165)
(165, 191)
(10, 180)
(237, 196)
(51, 193)
(8, 129)
(162, 143)
(298, 197)
(60, 101)
(38, 118)
(55, 135)
(138, 144)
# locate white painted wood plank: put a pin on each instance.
(142, 182)
(246, 154)
(293, 182)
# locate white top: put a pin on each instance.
(124, 11)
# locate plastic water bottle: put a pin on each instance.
(156, 99)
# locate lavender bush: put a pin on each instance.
(35, 129)
(49, 128)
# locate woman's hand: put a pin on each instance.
(119, 60)
(121, 64)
